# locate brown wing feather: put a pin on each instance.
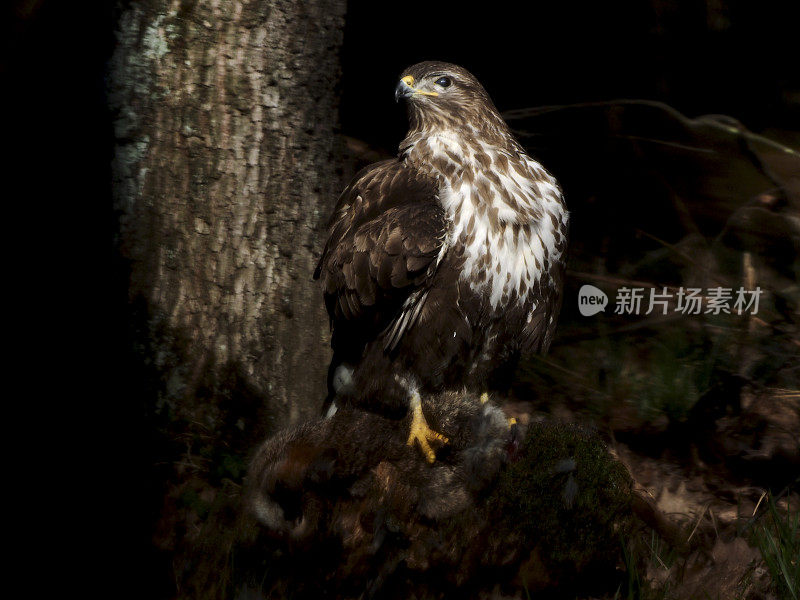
(540, 329)
(385, 235)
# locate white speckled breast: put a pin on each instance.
(510, 217)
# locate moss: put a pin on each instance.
(566, 498)
(228, 466)
(191, 500)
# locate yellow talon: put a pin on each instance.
(420, 431)
(484, 397)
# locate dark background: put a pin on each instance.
(734, 58)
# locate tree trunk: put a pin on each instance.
(224, 173)
(224, 117)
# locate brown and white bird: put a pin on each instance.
(446, 263)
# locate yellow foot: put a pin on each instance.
(484, 397)
(420, 431)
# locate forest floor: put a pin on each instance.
(718, 452)
(726, 516)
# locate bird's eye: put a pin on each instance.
(444, 81)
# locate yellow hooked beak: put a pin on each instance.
(406, 89)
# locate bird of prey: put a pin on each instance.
(445, 264)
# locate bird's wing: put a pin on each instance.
(385, 236)
(538, 332)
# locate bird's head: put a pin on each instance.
(442, 95)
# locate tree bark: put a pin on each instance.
(224, 171)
